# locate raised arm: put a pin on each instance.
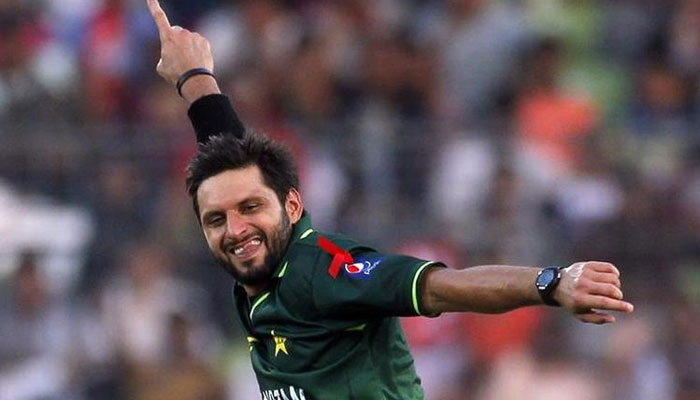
(182, 52)
(586, 289)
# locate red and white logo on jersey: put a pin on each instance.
(361, 269)
(355, 268)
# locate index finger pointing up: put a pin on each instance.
(159, 17)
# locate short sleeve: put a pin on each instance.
(374, 285)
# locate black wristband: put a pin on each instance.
(212, 115)
(190, 73)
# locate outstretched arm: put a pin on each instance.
(586, 289)
(211, 112)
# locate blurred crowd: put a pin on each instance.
(532, 132)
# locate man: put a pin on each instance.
(320, 310)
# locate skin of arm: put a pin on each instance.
(180, 51)
(586, 289)
(485, 289)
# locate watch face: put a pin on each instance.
(545, 278)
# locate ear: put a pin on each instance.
(293, 205)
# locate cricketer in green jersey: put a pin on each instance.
(321, 310)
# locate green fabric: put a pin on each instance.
(315, 337)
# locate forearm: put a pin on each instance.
(210, 112)
(199, 86)
(484, 289)
(213, 114)
(181, 51)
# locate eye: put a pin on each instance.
(251, 207)
(215, 221)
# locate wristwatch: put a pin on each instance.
(547, 280)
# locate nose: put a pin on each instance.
(235, 226)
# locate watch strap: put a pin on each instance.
(546, 292)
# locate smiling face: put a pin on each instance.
(246, 226)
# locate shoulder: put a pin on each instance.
(321, 243)
(309, 259)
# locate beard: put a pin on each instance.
(276, 246)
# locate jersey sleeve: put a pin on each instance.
(374, 285)
(212, 115)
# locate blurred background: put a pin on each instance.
(533, 132)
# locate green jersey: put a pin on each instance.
(327, 326)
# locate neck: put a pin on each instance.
(254, 290)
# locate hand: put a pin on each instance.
(180, 51)
(586, 288)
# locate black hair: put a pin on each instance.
(227, 152)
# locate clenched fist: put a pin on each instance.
(588, 288)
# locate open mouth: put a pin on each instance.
(246, 249)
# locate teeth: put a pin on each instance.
(239, 249)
